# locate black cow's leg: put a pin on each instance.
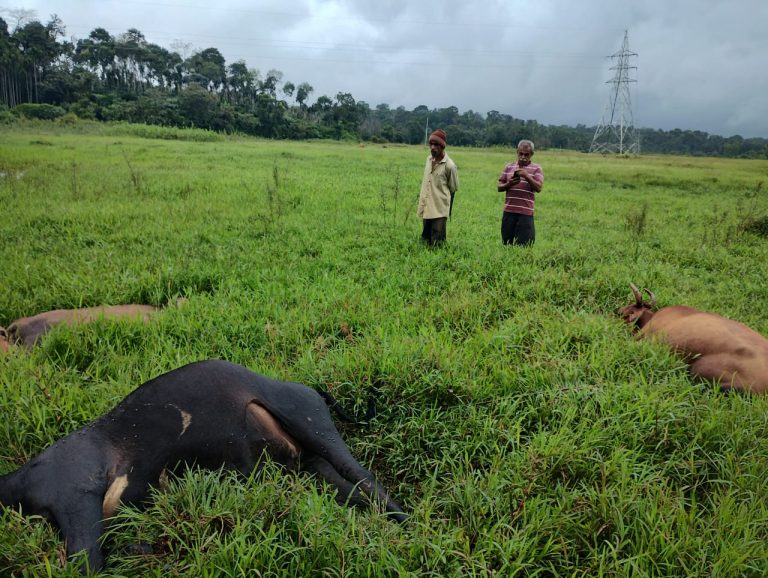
(79, 519)
(266, 433)
(350, 491)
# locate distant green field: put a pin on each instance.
(519, 424)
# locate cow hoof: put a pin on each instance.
(139, 549)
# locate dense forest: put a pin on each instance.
(126, 78)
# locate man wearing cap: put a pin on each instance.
(439, 185)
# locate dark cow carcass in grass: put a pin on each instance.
(211, 414)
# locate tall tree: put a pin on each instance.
(346, 115)
(132, 59)
(98, 52)
(288, 89)
(241, 83)
(20, 16)
(10, 65)
(198, 106)
(39, 49)
(302, 93)
(208, 69)
(270, 82)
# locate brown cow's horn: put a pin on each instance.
(652, 297)
(636, 292)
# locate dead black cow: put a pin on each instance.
(211, 413)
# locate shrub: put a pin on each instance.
(84, 108)
(69, 119)
(756, 225)
(165, 132)
(39, 111)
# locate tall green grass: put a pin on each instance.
(519, 424)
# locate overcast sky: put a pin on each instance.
(701, 64)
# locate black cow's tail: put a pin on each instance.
(348, 416)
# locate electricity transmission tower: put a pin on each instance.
(616, 131)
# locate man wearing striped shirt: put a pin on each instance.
(520, 181)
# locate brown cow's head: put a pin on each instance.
(639, 312)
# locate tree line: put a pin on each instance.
(126, 78)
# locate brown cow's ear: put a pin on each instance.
(635, 315)
(631, 314)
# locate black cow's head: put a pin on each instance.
(639, 310)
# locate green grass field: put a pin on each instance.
(519, 424)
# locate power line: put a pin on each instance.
(347, 47)
(376, 53)
(293, 16)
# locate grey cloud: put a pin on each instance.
(700, 62)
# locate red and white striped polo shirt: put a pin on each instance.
(520, 198)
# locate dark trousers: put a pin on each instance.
(433, 232)
(517, 229)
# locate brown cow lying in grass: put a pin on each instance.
(717, 348)
(4, 343)
(28, 331)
